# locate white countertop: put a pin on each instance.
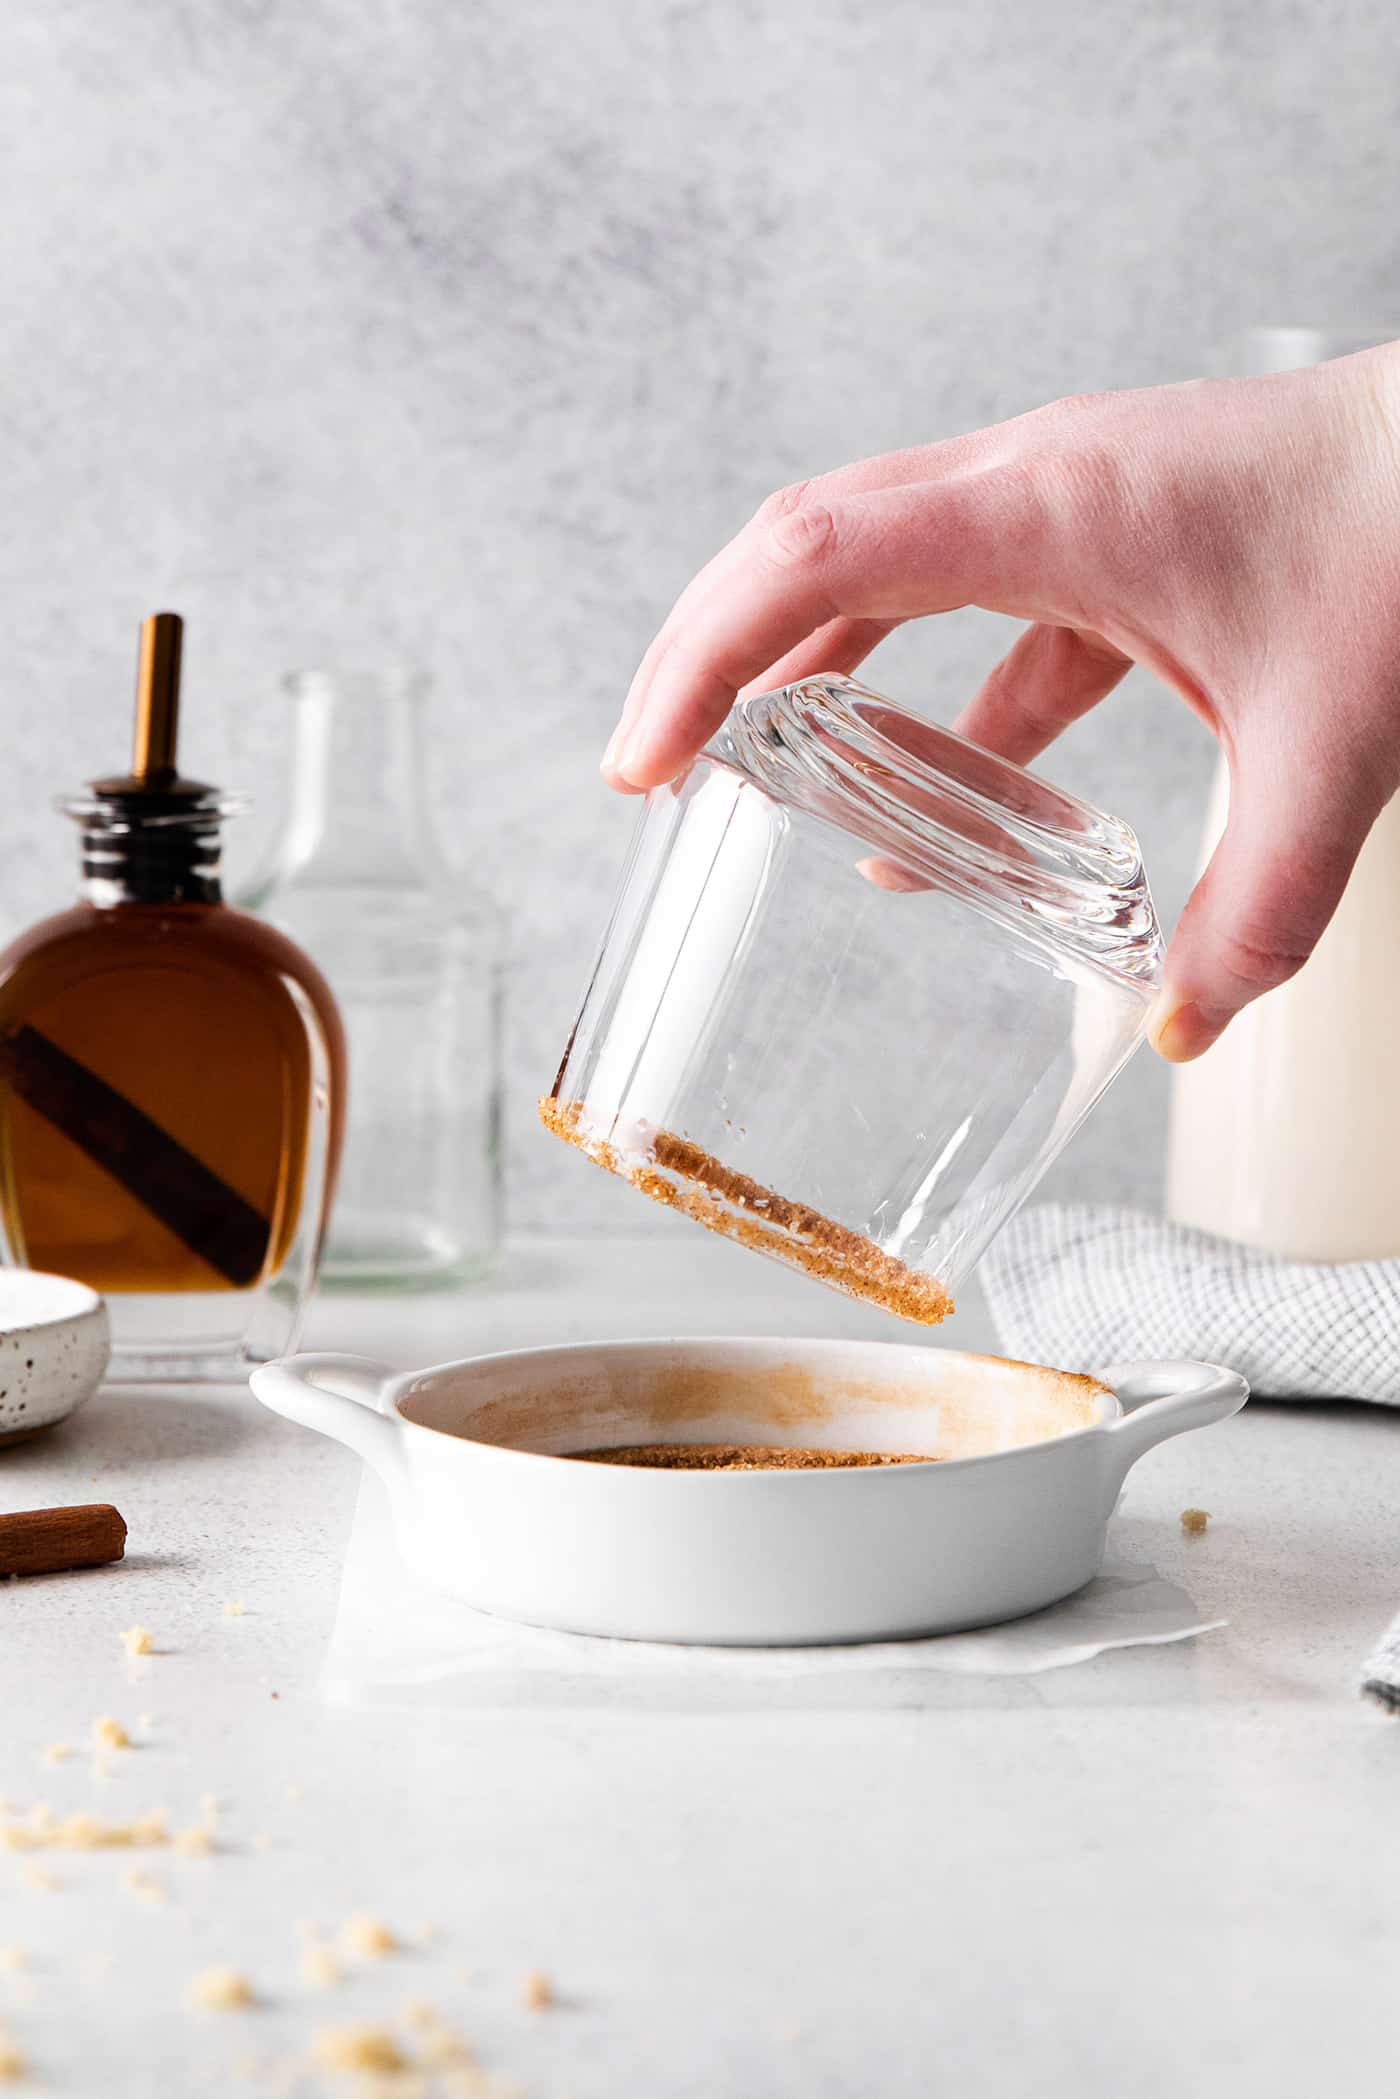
(1167, 1871)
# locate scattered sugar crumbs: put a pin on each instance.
(365, 1937)
(359, 2047)
(145, 1885)
(36, 1877)
(198, 1840)
(221, 1989)
(12, 2061)
(442, 2049)
(318, 1966)
(55, 1752)
(13, 1960)
(537, 1991)
(235, 1609)
(42, 1830)
(438, 2061)
(1194, 1521)
(136, 1640)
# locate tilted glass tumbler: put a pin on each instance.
(862, 983)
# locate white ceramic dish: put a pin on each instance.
(1013, 1517)
(54, 1345)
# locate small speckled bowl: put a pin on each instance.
(54, 1345)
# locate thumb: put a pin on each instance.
(1297, 822)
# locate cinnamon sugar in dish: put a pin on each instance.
(744, 1457)
(679, 1174)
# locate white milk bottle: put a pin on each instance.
(1286, 1134)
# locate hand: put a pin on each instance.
(1241, 538)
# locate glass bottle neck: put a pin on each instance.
(359, 803)
(134, 856)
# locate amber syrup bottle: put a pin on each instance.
(172, 1076)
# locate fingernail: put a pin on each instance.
(608, 762)
(632, 752)
(1186, 1031)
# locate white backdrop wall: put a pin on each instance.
(461, 333)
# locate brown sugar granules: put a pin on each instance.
(358, 2048)
(685, 1178)
(366, 1937)
(221, 1990)
(1194, 1521)
(537, 1991)
(743, 1457)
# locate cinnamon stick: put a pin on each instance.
(45, 1541)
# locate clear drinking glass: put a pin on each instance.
(414, 959)
(863, 981)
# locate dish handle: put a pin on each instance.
(341, 1396)
(1161, 1399)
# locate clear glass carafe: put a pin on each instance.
(862, 983)
(414, 959)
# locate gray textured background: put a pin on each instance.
(463, 333)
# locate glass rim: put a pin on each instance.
(391, 681)
(947, 814)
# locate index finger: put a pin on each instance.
(899, 469)
(888, 554)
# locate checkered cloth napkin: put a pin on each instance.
(1083, 1284)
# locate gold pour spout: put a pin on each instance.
(157, 700)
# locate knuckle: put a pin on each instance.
(1082, 404)
(1080, 457)
(782, 503)
(1280, 870)
(1025, 497)
(801, 537)
(1081, 482)
(1264, 946)
(1025, 703)
(1262, 963)
(1095, 472)
(1070, 411)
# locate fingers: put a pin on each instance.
(842, 645)
(880, 556)
(1297, 822)
(1050, 677)
(888, 470)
